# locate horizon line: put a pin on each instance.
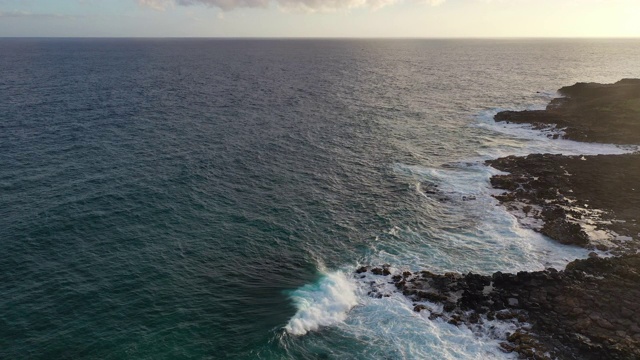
(339, 37)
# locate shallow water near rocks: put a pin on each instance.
(211, 198)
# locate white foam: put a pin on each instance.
(467, 230)
(401, 333)
(324, 303)
(389, 328)
(523, 139)
(480, 235)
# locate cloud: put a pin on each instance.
(226, 4)
(160, 5)
(332, 5)
(27, 14)
(295, 5)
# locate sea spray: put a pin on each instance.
(462, 188)
(323, 303)
(388, 328)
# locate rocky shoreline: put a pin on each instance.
(587, 311)
(588, 201)
(590, 310)
(589, 112)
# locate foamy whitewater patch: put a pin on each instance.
(388, 328)
(591, 222)
(467, 230)
(401, 333)
(474, 232)
(480, 234)
(323, 303)
(524, 139)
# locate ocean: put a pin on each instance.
(211, 198)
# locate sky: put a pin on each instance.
(320, 18)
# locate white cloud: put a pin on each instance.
(295, 5)
(160, 5)
(28, 14)
(331, 5)
(227, 4)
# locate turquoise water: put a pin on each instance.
(191, 199)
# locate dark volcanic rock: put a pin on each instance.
(591, 309)
(601, 190)
(607, 113)
(588, 311)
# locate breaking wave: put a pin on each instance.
(323, 303)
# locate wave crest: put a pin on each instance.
(323, 303)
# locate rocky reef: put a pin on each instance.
(591, 112)
(589, 201)
(590, 310)
(587, 311)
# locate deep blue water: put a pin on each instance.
(169, 199)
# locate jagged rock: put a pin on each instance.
(579, 311)
(590, 310)
(507, 347)
(419, 308)
(506, 315)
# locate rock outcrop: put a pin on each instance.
(587, 311)
(590, 310)
(589, 201)
(591, 112)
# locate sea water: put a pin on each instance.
(200, 198)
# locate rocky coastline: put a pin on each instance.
(590, 310)
(588, 201)
(589, 112)
(587, 311)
